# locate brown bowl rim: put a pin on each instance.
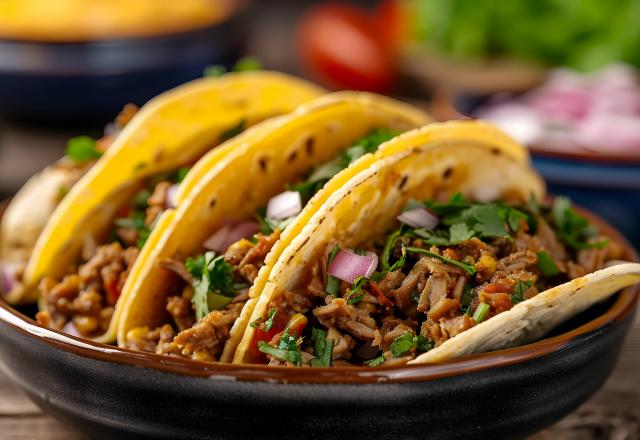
(623, 306)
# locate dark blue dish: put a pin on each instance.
(608, 186)
(112, 393)
(89, 81)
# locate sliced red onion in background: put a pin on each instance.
(8, 278)
(229, 234)
(284, 205)
(70, 329)
(172, 191)
(419, 218)
(523, 123)
(348, 266)
(610, 132)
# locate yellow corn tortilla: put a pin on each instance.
(257, 166)
(434, 161)
(171, 130)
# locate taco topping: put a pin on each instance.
(86, 297)
(213, 287)
(432, 281)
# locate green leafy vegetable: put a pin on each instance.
(467, 268)
(323, 348)
(247, 64)
(212, 275)
(82, 149)
(467, 297)
(292, 356)
(182, 173)
(574, 229)
(408, 341)
(376, 361)
(136, 220)
(459, 232)
(521, 287)
(214, 71)
(546, 265)
(481, 312)
(268, 323)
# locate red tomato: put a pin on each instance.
(339, 45)
(392, 18)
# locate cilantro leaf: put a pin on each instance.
(82, 149)
(521, 287)
(333, 283)
(212, 276)
(292, 356)
(459, 232)
(574, 229)
(546, 265)
(323, 348)
(467, 268)
(486, 220)
(408, 341)
(376, 361)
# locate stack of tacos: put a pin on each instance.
(345, 230)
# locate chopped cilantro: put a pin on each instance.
(404, 343)
(521, 287)
(212, 275)
(486, 220)
(467, 268)
(141, 199)
(574, 229)
(467, 296)
(82, 149)
(515, 217)
(233, 130)
(269, 322)
(481, 312)
(388, 249)
(375, 362)
(292, 356)
(459, 232)
(323, 348)
(546, 265)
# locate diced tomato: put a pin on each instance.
(280, 322)
(113, 292)
(495, 288)
(340, 45)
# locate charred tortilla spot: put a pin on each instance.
(447, 173)
(292, 156)
(403, 181)
(495, 151)
(212, 203)
(310, 145)
(263, 162)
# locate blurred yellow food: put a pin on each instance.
(82, 20)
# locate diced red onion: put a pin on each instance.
(229, 234)
(419, 218)
(172, 191)
(284, 205)
(70, 329)
(8, 277)
(348, 266)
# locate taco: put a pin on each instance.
(191, 297)
(89, 245)
(438, 248)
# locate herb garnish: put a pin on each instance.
(333, 283)
(82, 149)
(467, 268)
(242, 65)
(402, 344)
(268, 323)
(376, 361)
(521, 287)
(136, 220)
(287, 349)
(574, 229)
(546, 265)
(323, 348)
(481, 312)
(213, 282)
(233, 130)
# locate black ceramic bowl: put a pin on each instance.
(108, 392)
(92, 80)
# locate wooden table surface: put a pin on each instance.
(613, 413)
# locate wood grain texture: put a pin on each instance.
(613, 413)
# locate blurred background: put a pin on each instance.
(559, 75)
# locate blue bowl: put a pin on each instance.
(91, 81)
(607, 185)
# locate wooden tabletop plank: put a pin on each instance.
(613, 413)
